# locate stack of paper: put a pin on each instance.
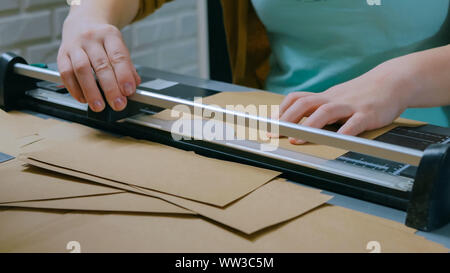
(111, 194)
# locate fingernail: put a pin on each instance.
(98, 106)
(129, 89)
(119, 103)
(139, 79)
(296, 141)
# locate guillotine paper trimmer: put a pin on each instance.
(406, 168)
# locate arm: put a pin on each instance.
(378, 97)
(430, 77)
(115, 12)
(92, 41)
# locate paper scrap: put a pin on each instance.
(156, 167)
(280, 201)
(271, 204)
(22, 124)
(20, 129)
(20, 183)
(115, 202)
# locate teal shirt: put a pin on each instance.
(317, 44)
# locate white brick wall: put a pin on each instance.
(168, 40)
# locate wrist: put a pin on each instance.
(118, 13)
(85, 14)
(402, 81)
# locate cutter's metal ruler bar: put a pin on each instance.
(319, 136)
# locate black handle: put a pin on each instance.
(12, 86)
(429, 206)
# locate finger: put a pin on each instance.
(105, 75)
(324, 115)
(355, 125)
(137, 78)
(296, 141)
(83, 72)
(69, 79)
(120, 59)
(290, 99)
(328, 114)
(301, 108)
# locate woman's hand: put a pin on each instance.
(90, 45)
(368, 102)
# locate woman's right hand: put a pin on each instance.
(91, 45)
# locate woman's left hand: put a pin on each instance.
(368, 102)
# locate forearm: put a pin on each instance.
(424, 77)
(116, 12)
